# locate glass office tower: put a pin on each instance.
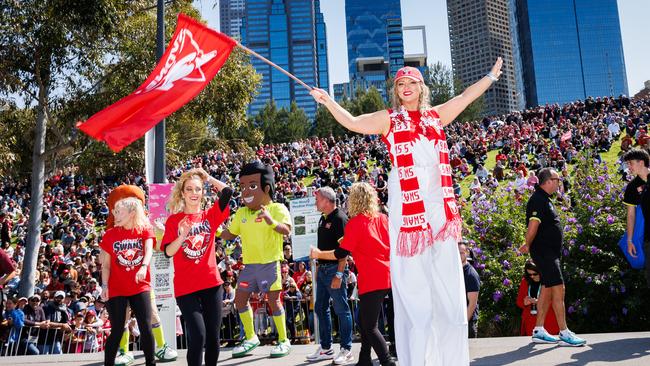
(570, 49)
(292, 34)
(375, 42)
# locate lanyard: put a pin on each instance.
(539, 289)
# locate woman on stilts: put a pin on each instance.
(424, 221)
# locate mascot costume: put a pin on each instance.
(261, 224)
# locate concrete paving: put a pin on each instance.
(630, 349)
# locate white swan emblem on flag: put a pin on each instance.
(187, 68)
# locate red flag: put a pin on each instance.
(194, 56)
(566, 136)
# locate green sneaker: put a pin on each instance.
(245, 347)
(282, 349)
(124, 359)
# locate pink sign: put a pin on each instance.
(158, 196)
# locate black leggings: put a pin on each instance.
(370, 305)
(141, 305)
(202, 314)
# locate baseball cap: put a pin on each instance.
(409, 72)
(59, 293)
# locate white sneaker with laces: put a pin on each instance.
(343, 357)
(166, 353)
(124, 359)
(321, 354)
(281, 349)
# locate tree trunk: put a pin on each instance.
(27, 276)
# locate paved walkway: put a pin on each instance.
(631, 349)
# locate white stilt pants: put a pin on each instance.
(430, 307)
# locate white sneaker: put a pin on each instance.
(166, 353)
(245, 347)
(124, 359)
(321, 354)
(281, 349)
(344, 357)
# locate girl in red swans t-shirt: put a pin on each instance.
(189, 238)
(366, 238)
(126, 253)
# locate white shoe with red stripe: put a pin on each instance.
(321, 354)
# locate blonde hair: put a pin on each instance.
(363, 200)
(423, 101)
(176, 202)
(132, 204)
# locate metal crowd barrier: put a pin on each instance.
(300, 328)
(35, 340)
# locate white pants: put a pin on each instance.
(430, 306)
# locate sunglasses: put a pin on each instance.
(533, 273)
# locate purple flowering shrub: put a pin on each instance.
(495, 228)
(603, 293)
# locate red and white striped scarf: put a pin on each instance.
(415, 234)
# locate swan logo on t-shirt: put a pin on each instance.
(129, 252)
(198, 241)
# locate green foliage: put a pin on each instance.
(439, 79)
(99, 52)
(603, 293)
(16, 141)
(325, 125)
(365, 101)
(282, 125)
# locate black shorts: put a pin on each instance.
(549, 270)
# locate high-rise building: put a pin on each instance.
(571, 49)
(479, 32)
(292, 34)
(375, 42)
(231, 13)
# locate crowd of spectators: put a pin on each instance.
(68, 272)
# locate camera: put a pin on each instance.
(533, 309)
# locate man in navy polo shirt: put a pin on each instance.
(330, 282)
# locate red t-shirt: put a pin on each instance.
(367, 239)
(195, 264)
(126, 248)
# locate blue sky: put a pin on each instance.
(634, 15)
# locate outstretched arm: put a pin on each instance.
(367, 124)
(449, 110)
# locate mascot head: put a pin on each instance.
(257, 184)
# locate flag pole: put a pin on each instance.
(274, 65)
